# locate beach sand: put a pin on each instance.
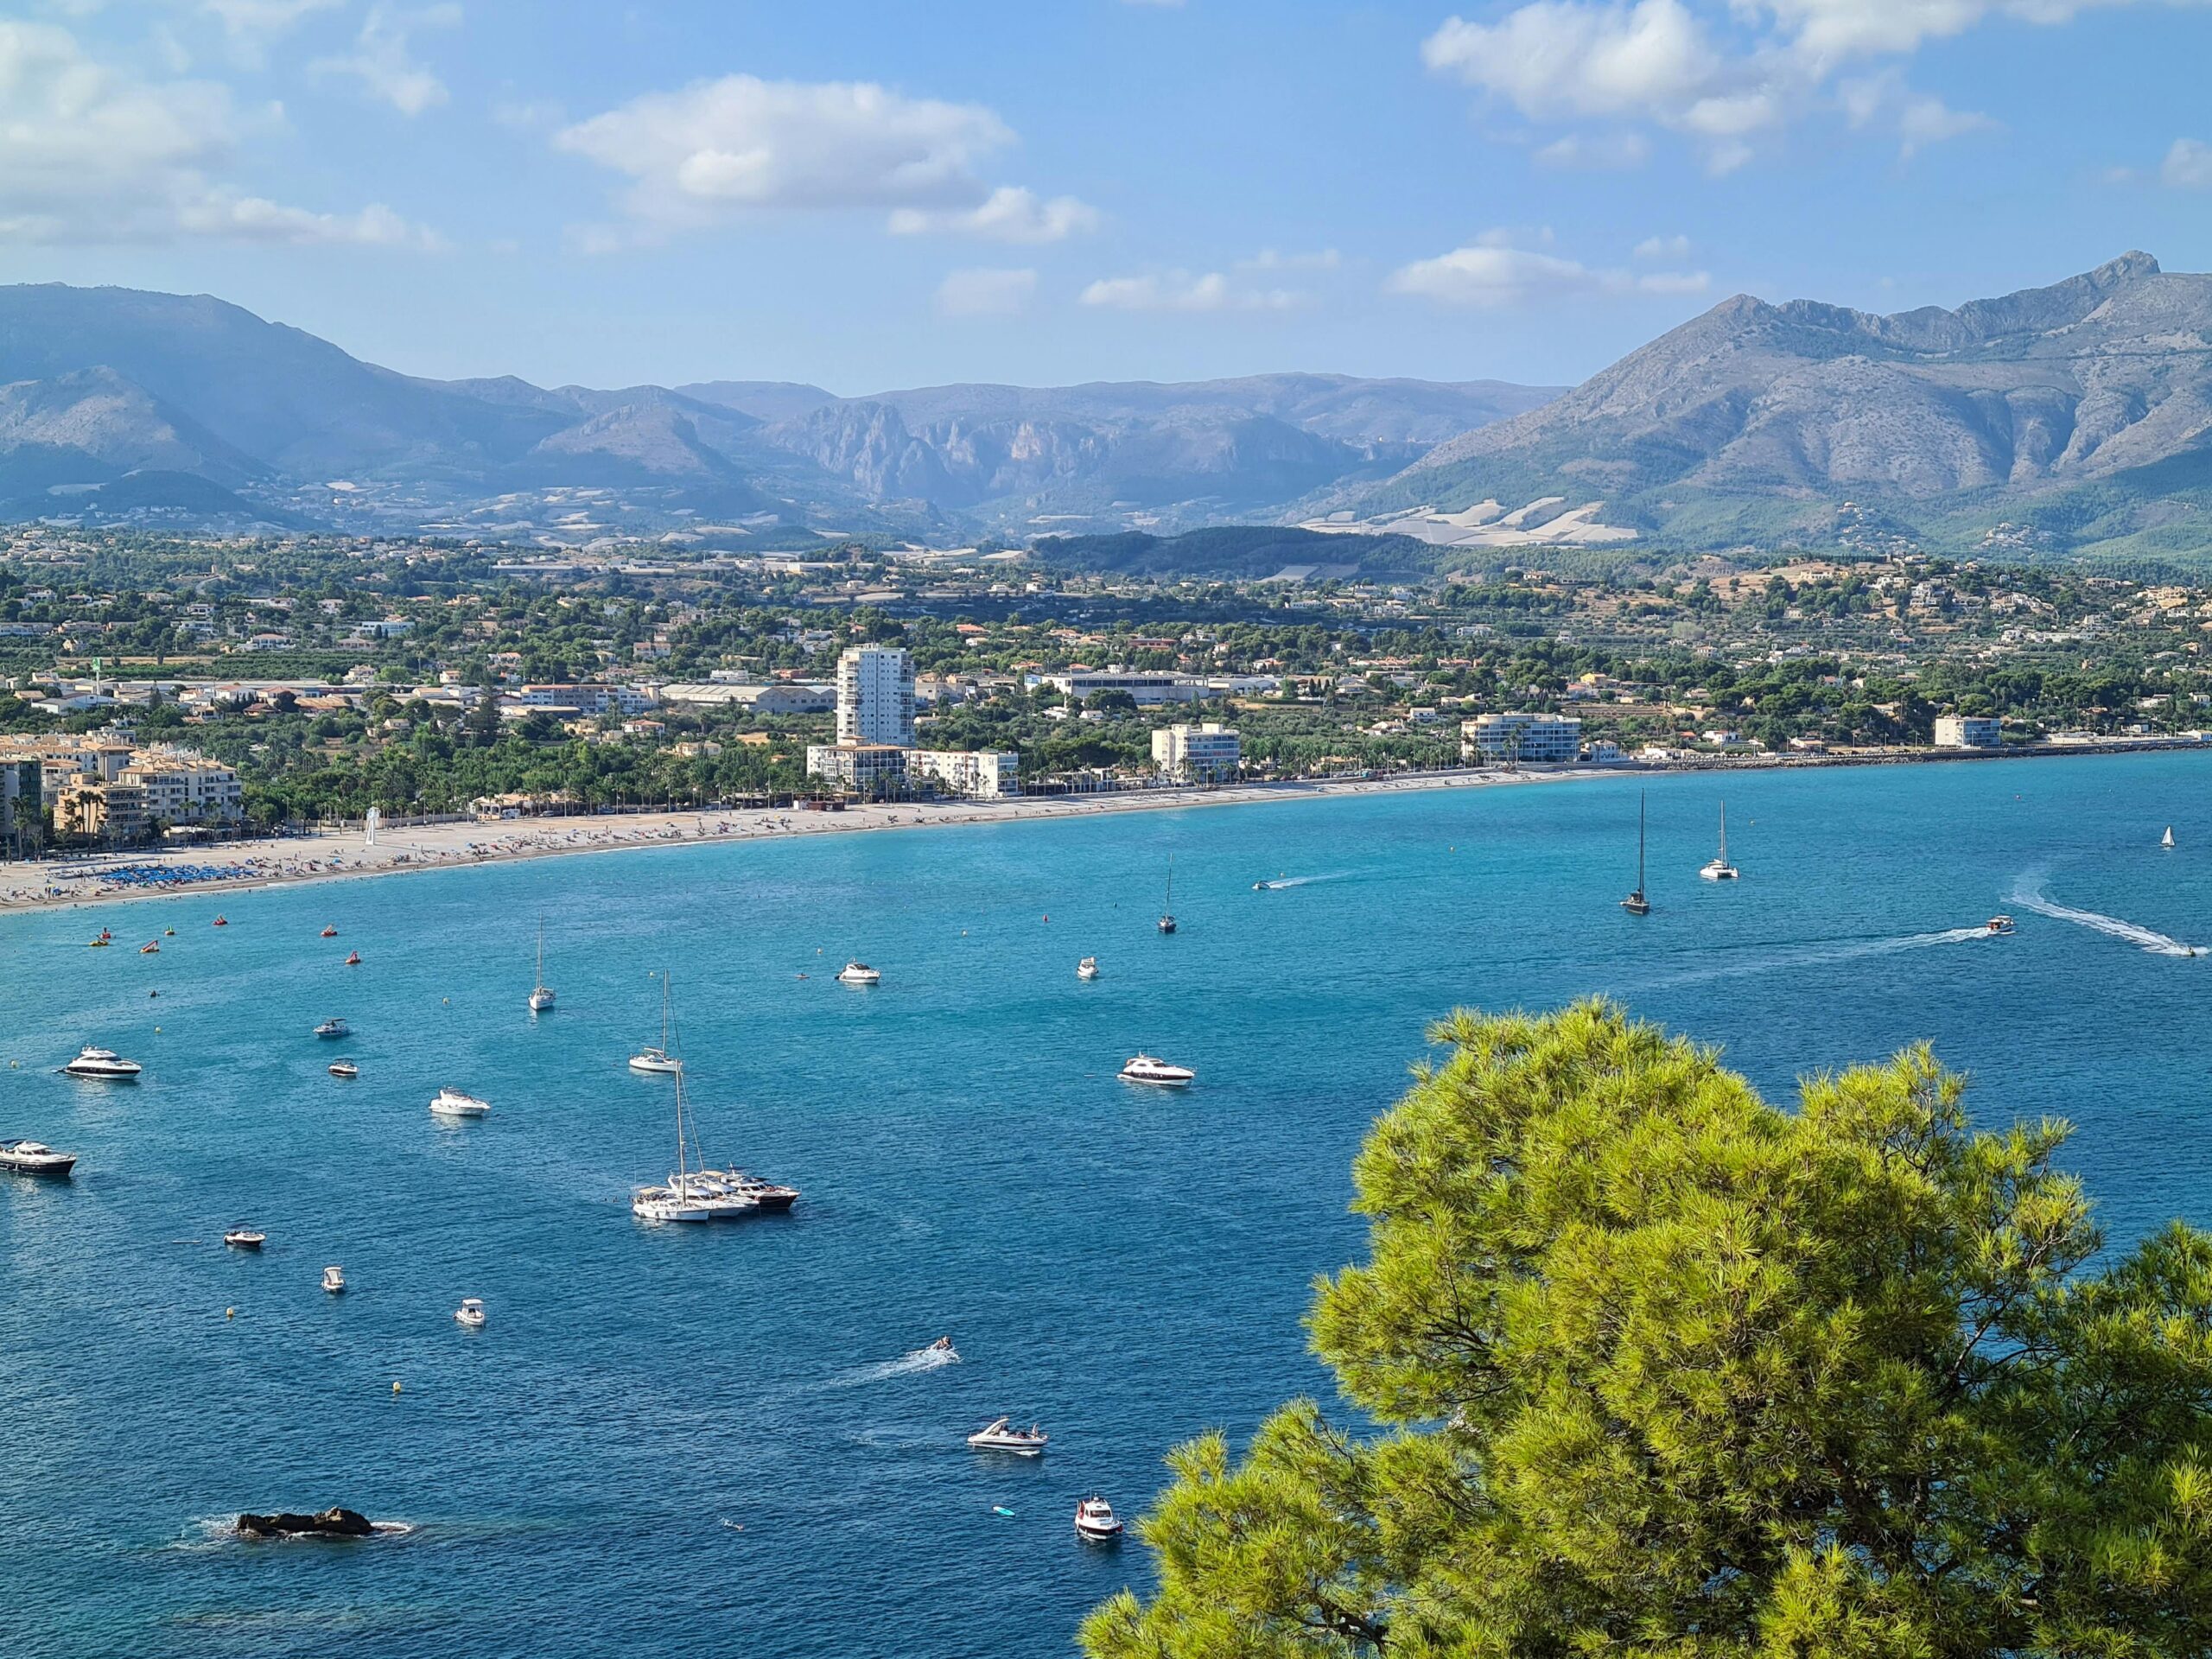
(340, 855)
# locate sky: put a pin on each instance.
(866, 196)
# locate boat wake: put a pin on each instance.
(1821, 954)
(922, 1359)
(2031, 897)
(1282, 882)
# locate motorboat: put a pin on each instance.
(2001, 925)
(1095, 1519)
(333, 1280)
(470, 1313)
(770, 1198)
(329, 932)
(353, 959)
(34, 1157)
(1146, 1068)
(344, 1069)
(1636, 904)
(943, 1346)
(660, 1061)
(1719, 869)
(453, 1102)
(333, 1026)
(103, 1063)
(1087, 968)
(541, 994)
(1000, 1435)
(858, 973)
(245, 1238)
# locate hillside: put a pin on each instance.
(2074, 417)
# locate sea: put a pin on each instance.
(729, 1441)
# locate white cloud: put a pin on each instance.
(381, 61)
(1009, 214)
(985, 293)
(1662, 247)
(1724, 75)
(1595, 152)
(1491, 274)
(1274, 259)
(2188, 165)
(255, 20)
(719, 148)
(90, 154)
(1178, 290)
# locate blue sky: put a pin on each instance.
(871, 195)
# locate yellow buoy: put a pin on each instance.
(395, 1385)
(229, 1313)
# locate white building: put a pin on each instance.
(1968, 732)
(1204, 754)
(862, 766)
(1536, 738)
(1144, 687)
(875, 695)
(182, 787)
(958, 771)
(784, 697)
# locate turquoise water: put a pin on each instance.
(702, 1440)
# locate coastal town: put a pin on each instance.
(165, 692)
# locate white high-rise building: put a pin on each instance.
(875, 695)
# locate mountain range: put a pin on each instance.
(116, 403)
(2071, 418)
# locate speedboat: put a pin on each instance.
(1094, 1519)
(353, 959)
(858, 973)
(1146, 1068)
(333, 1026)
(103, 1063)
(1087, 968)
(452, 1103)
(34, 1157)
(2001, 925)
(245, 1238)
(344, 1069)
(943, 1346)
(770, 1198)
(470, 1313)
(1000, 1435)
(333, 1279)
(329, 932)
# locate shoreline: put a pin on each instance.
(467, 844)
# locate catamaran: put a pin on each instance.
(1719, 869)
(541, 994)
(1636, 904)
(659, 1061)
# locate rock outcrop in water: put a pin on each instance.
(333, 1523)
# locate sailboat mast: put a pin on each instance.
(1724, 832)
(1640, 808)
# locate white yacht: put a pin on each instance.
(1094, 1519)
(333, 1279)
(103, 1063)
(660, 1061)
(858, 973)
(1147, 1068)
(2001, 925)
(1720, 870)
(470, 1313)
(245, 1238)
(34, 1157)
(693, 1193)
(1000, 1435)
(541, 994)
(1087, 968)
(333, 1027)
(453, 1102)
(344, 1069)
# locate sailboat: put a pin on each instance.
(541, 994)
(658, 1060)
(1167, 916)
(1636, 904)
(1719, 869)
(694, 1192)
(2166, 840)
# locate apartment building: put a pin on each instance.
(1509, 737)
(982, 775)
(875, 695)
(1209, 754)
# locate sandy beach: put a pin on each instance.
(345, 855)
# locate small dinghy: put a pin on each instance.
(333, 1280)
